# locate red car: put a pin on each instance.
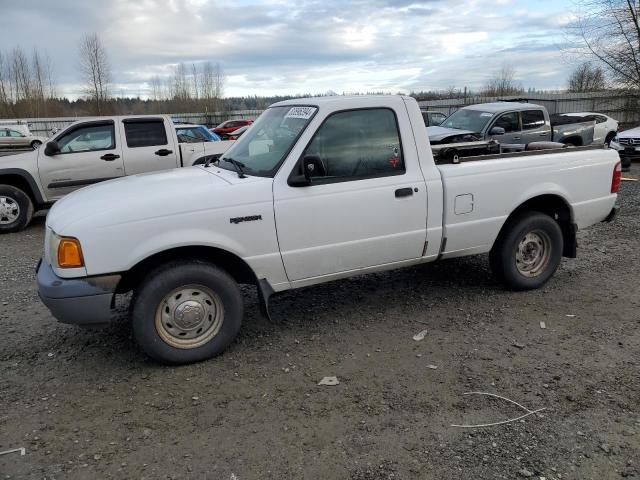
(225, 128)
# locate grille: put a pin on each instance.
(629, 141)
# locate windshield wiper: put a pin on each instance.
(237, 165)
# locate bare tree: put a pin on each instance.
(608, 32)
(20, 75)
(179, 84)
(503, 83)
(95, 70)
(212, 80)
(195, 78)
(587, 78)
(156, 87)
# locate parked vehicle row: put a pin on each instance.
(512, 126)
(316, 190)
(91, 151)
(19, 136)
(226, 128)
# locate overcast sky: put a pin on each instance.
(286, 47)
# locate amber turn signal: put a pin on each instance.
(70, 253)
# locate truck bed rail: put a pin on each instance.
(497, 156)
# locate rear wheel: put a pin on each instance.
(16, 209)
(528, 251)
(36, 144)
(186, 312)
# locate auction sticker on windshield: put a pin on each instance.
(301, 112)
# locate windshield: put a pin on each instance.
(465, 119)
(264, 145)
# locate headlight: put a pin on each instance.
(66, 252)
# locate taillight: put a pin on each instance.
(615, 180)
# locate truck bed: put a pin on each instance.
(479, 192)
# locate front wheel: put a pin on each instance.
(16, 209)
(187, 311)
(528, 251)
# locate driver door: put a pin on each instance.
(510, 121)
(88, 153)
(366, 206)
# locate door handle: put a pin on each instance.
(404, 192)
(163, 152)
(109, 157)
(516, 138)
(544, 134)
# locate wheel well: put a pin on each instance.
(575, 141)
(232, 264)
(19, 182)
(558, 209)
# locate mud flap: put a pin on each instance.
(264, 293)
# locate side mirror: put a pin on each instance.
(497, 131)
(51, 148)
(312, 166)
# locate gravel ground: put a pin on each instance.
(88, 404)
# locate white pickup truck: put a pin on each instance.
(91, 151)
(318, 189)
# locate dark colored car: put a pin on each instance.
(225, 128)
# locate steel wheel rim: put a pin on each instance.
(9, 210)
(35, 145)
(533, 253)
(189, 316)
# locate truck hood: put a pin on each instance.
(440, 133)
(144, 196)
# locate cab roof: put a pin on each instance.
(496, 107)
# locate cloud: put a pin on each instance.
(286, 46)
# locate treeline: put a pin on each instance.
(26, 83)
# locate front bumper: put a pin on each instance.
(79, 301)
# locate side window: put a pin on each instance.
(145, 133)
(13, 133)
(358, 144)
(4, 133)
(600, 119)
(88, 139)
(532, 119)
(508, 121)
(437, 118)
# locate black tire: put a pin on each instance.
(508, 265)
(36, 144)
(160, 284)
(10, 195)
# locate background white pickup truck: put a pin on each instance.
(318, 189)
(91, 151)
